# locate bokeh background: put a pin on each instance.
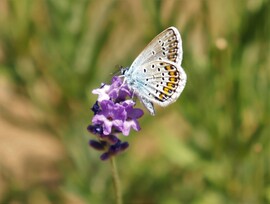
(211, 146)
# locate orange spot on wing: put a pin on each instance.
(168, 67)
(173, 73)
(170, 85)
(161, 96)
(173, 79)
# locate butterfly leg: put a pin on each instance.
(148, 105)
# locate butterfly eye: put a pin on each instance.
(123, 70)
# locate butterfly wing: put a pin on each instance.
(156, 75)
(158, 81)
(165, 46)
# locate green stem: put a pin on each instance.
(116, 181)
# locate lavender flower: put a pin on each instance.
(114, 113)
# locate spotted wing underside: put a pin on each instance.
(161, 82)
(156, 75)
(167, 46)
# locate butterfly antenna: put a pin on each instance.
(118, 71)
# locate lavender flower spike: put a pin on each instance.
(114, 113)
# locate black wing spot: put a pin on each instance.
(164, 53)
(159, 69)
(144, 70)
(153, 52)
(152, 66)
(157, 98)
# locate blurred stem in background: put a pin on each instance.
(116, 181)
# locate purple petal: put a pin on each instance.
(130, 124)
(98, 119)
(117, 81)
(118, 91)
(107, 127)
(118, 124)
(112, 110)
(135, 113)
(96, 145)
(106, 105)
(105, 156)
(114, 149)
(128, 103)
(113, 94)
(124, 146)
(102, 120)
(113, 139)
(120, 113)
(102, 93)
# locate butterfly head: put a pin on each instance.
(124, 70)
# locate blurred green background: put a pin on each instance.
(212, 146)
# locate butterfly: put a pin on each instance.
(156, 75)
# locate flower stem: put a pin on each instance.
(116, 181)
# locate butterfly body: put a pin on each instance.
(156, 75)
